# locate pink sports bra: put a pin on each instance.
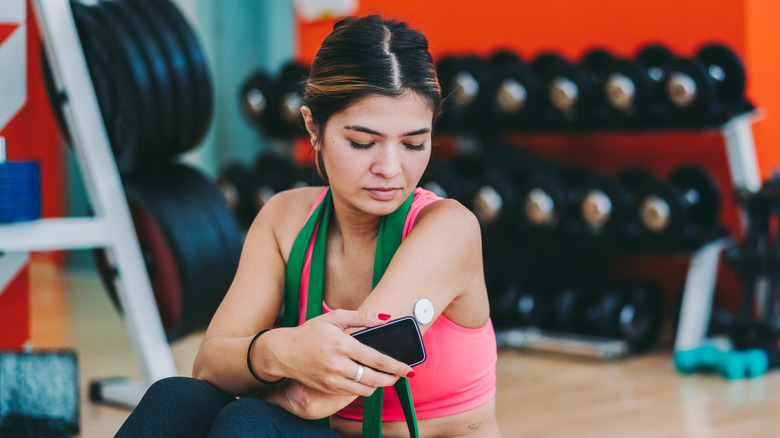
(459, 372)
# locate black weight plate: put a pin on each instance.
(704, 197)
(200, 85)
(178, 67)
(236, 182)
(117, 94)
(140, 75)
(444, 180)
(726, 67)
(655, 58)
(569, 311)
(665, 227)
(517, 91)
(205, 196)
(610, 218)
(641, 317)
(160, 147)
(634, 103)
(466, 83)
(697, 101)
(273, 174)
(290, 85)
(160, 263)
(254, 97)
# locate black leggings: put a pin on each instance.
(187, 407)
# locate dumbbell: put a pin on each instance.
(708, 88)
(273, 173)
(254, 97)
(517, 92)
(632, 312)
(284, 97)
(634, 88)
(568, 313)
(514, 304)
(444, 180)
(608, 206)
(729, 363)
(682, 211)
(236, 183)
(465, 85)
(551, 200)
(572, 97)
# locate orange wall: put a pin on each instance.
(622, 26)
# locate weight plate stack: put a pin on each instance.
(123, 98)
(191, 244)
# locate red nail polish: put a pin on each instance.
(384, 316)
(411, 374)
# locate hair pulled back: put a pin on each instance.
(365, 56)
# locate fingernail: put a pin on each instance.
(384, 316)
(410, 374)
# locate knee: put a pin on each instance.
(186, 390)
(246, 417)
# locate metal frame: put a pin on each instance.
(111, 227)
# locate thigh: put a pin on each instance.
(250, 417)
(176, 407)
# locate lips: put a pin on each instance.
(383, 193)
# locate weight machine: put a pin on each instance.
(111, 226)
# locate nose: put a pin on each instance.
(387, 162)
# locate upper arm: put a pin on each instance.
(255, 296)
(440, 260)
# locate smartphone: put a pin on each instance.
(399, 339)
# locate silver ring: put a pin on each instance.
(359, 374)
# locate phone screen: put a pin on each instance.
(399, 339)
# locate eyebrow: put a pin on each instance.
(372, 132)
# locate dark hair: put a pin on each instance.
(366, 56)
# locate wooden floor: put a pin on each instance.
(539, 396)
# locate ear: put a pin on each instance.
(308, 121)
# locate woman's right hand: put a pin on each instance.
(321, 355)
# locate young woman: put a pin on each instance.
(369, 107)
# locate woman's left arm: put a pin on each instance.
(439, 260)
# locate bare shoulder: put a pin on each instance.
(285, 214)
(448, 216)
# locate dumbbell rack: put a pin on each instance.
(700, 279)
(111, 226)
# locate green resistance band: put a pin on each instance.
(388, 241)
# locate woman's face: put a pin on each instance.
(376, 151)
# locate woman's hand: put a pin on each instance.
(323, 357)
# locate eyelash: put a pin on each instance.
(361, 146)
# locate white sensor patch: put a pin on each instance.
(423, 311)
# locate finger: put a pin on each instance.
(366, 380)
(346, 319)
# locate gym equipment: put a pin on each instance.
(190, 241)
(39, 393)
(236, 183)
(708, 88)
(254, 97)
(273, 173)
(608, 207)
(514, 304)
(516, 94)
(443, 179)
(551, 200)
(729, 363)
(568, 314)
(571, 92)
(150, 75)
(466, 88)
(681, 212)
(629, 311)
(20, 189)
(284, 101)
(634, 88)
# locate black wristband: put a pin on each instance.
(249, 361)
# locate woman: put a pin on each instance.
(369, 107)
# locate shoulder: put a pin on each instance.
(447, 215)
(285, 213)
